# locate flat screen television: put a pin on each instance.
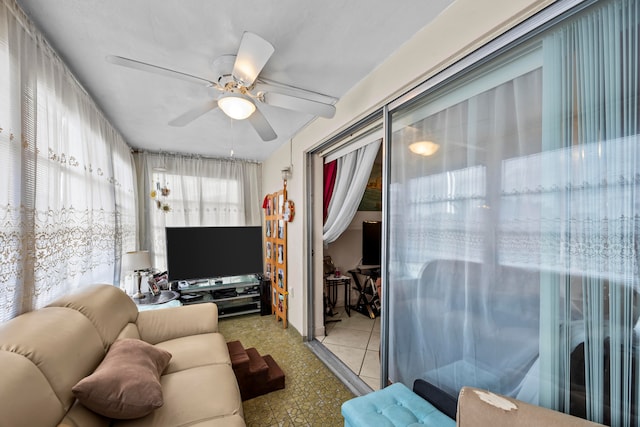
(206, 252)
(371, 242)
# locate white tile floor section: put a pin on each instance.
(355, 341)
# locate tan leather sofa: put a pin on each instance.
(44, 353)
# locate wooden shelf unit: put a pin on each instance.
(275, 252)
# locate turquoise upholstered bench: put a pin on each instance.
(393, 406)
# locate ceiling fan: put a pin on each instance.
(238, 89)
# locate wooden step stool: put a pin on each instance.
(256, 374)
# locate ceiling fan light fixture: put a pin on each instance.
(236, 107)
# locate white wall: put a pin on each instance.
(460, 29)
(346, 251)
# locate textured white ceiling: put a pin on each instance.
(326, 47)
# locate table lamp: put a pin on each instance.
(137, 262)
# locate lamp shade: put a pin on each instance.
(236, 107)
(136, 261)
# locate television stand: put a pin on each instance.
(234, 295)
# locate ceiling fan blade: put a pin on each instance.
(264, 85)
(193, 114)
(253, 54)
(300, 104)
(262, 126)
(143, 66)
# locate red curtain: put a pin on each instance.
(329, 179)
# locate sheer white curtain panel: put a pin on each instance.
(352, 176)
(67, 183)
(592, 121)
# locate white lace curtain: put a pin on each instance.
(67, 183)
(352, 176)
(202, 192)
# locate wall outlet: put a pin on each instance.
(291, 293)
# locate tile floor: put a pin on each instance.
(355, 340)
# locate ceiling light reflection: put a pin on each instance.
(424, 148)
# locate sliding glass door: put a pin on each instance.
(514, 223)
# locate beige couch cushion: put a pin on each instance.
(108, 308)
(162, 325)
(195, 396)
(22, 386)
(196, 350)
(232, 421)
(81, 416)
(129, 331)
(61, 342)
(126, 384)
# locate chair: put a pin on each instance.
(368, 302)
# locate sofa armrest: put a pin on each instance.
(161, 325)
(482, 408)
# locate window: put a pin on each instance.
(67, 205)
(202, 192)
(514, 248)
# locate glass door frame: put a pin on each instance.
(515, 36)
